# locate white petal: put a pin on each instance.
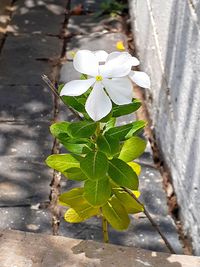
(98, 104)
(134, 61)
(86, 62)
(120, 90)
(77, 87)
(140, 78)
(118, 64)
(101, 55)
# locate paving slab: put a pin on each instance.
(25, 58)
(96, 41)
(25, 139)
(28, 16)
(38, 250)
(26, 103)
(90, 23)
(24, 180)
(27, 218)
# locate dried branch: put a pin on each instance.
(154, 224)
(54, 91)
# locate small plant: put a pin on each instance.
(101, 154)
(112, 7)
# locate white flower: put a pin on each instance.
(112, 75)
(139, 77)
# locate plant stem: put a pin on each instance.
(105, 229)
(154, 224)
(54, 90)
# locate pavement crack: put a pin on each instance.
(55, 182)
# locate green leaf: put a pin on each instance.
(122, 174)
(106, 118)
(79, 215)
(75, 174)
(83, 76)
(108, 145)
(132, 149)
(60, 87)
(119, 132)
(94, 165)
(116, 214)
(136, 167)
(97, 192)
(72, 198)
(82, 129)
(126, 109)
(138, 126)
(74, 102)
(62, 162)
(130, 204)
(58, 128)
(110, 124)
(74, 145)
(125, 131)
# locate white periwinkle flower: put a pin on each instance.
(138, 77)
(111, 76)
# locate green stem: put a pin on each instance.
(105, 229)
(98, 130)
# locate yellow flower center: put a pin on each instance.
(99, 78)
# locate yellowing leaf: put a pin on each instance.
(136, 193)
(80, 213)
(72, 198)
(116, 214)
(136, 167)
(72, 216)
(130, 204)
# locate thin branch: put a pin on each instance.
(105, 229)
(54, 91)
(154, 224)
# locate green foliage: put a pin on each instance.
(75, 174)
(122, 174)
(132, 149)
(116, 214)
(130, 204)
(60, 127)
(72, 198)
(81, 129)
(62, 162)
(126, 109)
(75, 145)
(76, 103)
(97, 192)
(112, 7)
(100, 160)
(108, 145)
(95, 165)
(136, 167)
(81, 213)
(125, 131)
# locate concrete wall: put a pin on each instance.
(167, 35)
